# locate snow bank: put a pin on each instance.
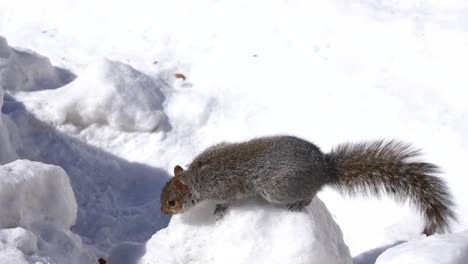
(113, 93)
(251, 232)
(38, 208)
(7, 152)
(27, 71)
(118, 199)
(16, 244)
(33, 192)
(437, 249)
(48, 246)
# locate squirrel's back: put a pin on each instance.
(263, 155)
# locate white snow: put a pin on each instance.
(38, 208)
(33, 192)
(21, 239)
(24, 70)
(118, 200)
(437, 249)
(127, 252)
(251, 232)
(7, 151)
(16, 244)
(109, 93)
(328, 71)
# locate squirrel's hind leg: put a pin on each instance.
(220, 211)
(298, 206)
(295, 190)
(292, 203)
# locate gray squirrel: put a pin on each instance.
(287, 170)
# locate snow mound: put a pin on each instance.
(16, 244)
(22, 70)
(437, 249)
(34, 192)
(19, 245)
(251, 232)
(38, 208)
(115, 94)
(7, 152)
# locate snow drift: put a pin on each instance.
(15, 244)
(7, 152)
(117, 199)
(34, 192)
(38, 208)
(437, 249)
(113, 93)
(22, 70)
(251, 232)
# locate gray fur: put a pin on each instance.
(290, 171)
(283, 170)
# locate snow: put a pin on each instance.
(46, 195)
(7, 152)
(251, 231)
(118, 200)
(16, 244)
(21, 239)
(127, 252)
(327, 71)
(437, 249)
(23, 70)
(12, 255)
(110, 93)
(38, 208)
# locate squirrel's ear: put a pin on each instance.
(177, 170)
(180, 186)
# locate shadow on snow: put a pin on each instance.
(118, 200)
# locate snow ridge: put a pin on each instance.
(38, 208)
(24, 70)
(251, 231)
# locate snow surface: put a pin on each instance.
(46, 195)
(328, 71)
(7, 152)
(109, 93)
(38, 208)
(118, 199)
(251, 232)
(437, 249)
(22, 70)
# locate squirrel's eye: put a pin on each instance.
(171, 203)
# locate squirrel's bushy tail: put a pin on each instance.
(380, 167)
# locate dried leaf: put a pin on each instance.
(180, 76)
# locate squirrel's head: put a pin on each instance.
(175, 197)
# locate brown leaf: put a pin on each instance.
(180, 76)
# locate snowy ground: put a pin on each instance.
(112, 114)
(252, 231)
(35, 225)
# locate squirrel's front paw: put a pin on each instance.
(220, 211)
(298, 206)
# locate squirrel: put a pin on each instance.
(287, 170)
